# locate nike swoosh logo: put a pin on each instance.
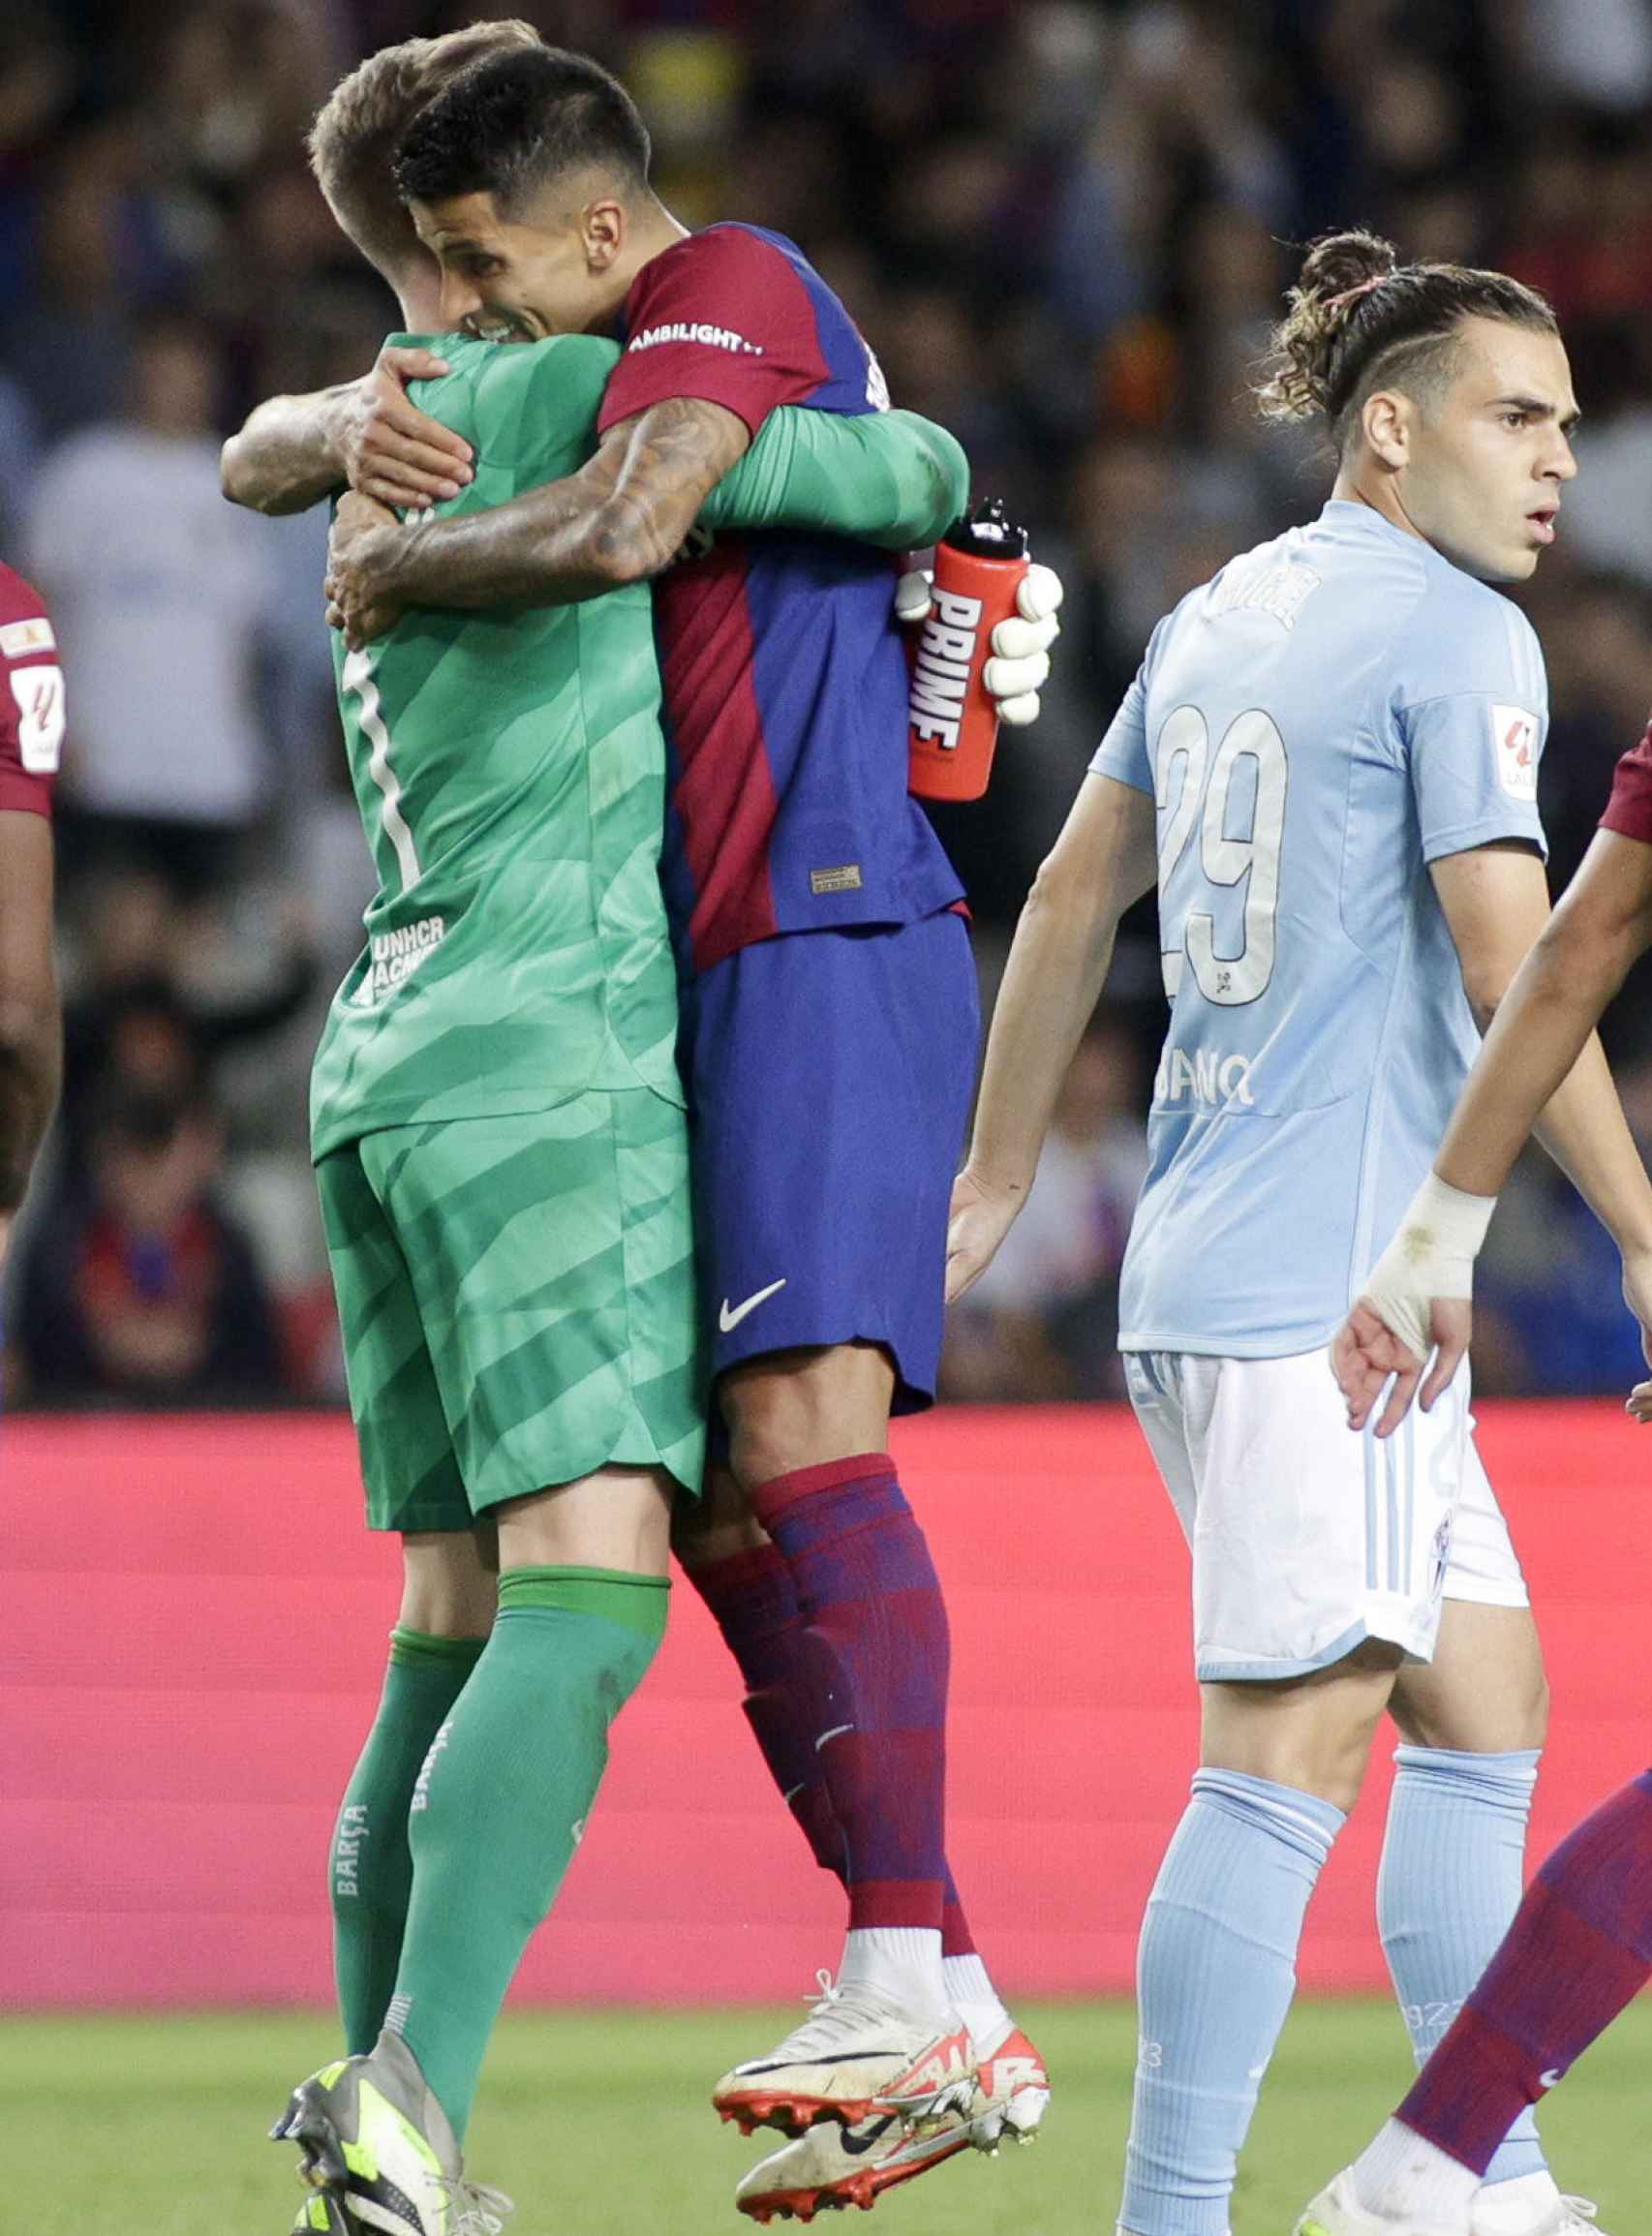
(1552, 2079)
(859, 2140)
(729, 1317)
(838, 2058)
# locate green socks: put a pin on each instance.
(501, 1801)
(371, 1869)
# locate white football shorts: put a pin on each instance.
(1307, 1539)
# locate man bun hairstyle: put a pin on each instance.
(509, 125)
(362, 122)
(1358, 319)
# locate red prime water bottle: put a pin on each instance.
(954, 723)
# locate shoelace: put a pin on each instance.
(1580, 2209)
(829, 2011)
(481, 2210)
(826, 1990)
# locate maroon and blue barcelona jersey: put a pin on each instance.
(785, 673)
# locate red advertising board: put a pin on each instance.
(192, 1638)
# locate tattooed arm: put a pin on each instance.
(294, 450)
(620, 519)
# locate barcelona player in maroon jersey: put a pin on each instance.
(830, 1030)
(1580, 1946)
(31, 739)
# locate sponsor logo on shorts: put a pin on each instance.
(696, 330)
(1206, 1076)
(729, 1316)
(1442, 1558)
(844, 877)
(396, 955)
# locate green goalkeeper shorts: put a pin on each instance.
(517, 1301)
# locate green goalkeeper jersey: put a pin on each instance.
(509, 768)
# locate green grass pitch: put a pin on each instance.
(598, 2124)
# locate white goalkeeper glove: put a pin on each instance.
(1019, 666)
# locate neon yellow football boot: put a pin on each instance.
(377, 2149)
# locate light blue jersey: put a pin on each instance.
(1336, 710)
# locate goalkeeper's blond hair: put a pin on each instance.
(361, 123)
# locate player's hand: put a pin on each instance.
(386, 447)
(361, 554)
(981, 1216)
(1638, 1296)
(1019, 666)
(1366, 1352)
(5, 1236)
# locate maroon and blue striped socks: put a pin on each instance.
(874, 1652)
(840, 1634)
(1579, 1951)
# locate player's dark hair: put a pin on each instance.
(509, 125)
(1358, 321)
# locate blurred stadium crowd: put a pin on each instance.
(1064, 225)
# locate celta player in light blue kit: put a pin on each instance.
(1329, 765)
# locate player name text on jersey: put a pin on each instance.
(1280, 591)
(1206, 1074)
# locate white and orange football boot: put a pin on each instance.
(857, 2054)
(832, 2166)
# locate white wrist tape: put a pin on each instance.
(1431, 1256)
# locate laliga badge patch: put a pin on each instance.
(26, 639)
(1514, 735)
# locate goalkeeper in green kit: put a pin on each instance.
(502, 1153)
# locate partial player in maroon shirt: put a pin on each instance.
(1629, 811)
(31, 699)
(31, 739)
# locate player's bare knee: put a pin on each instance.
(1485, 1693)
(450, 1582)
(1311, 1732)
(616, 1518)
(718, 1524)
(793, 1409)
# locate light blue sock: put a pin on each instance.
(1451, 1877)
(1214, 1975)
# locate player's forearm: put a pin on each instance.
(285, 458)
(890, 478)
(554, 546)
(1051, 983)
(31, 1064)
(622, 518)
(1542, 1069)
(1540, 1066)
(1583, 1129)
